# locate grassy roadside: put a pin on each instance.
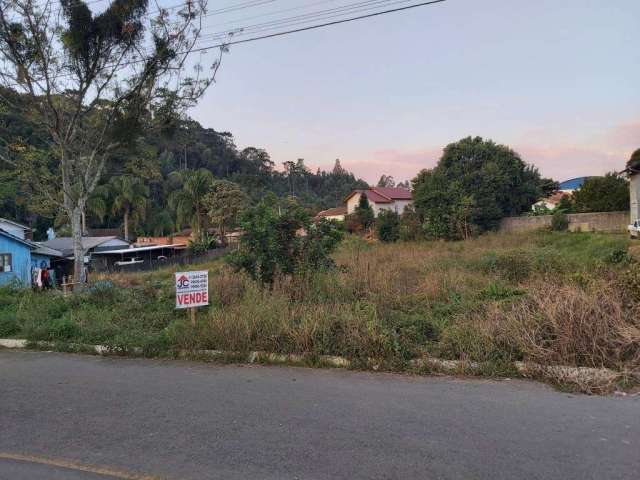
(553, 298)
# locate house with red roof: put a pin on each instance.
(337, 213)
(381, 198)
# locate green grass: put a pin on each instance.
(477, 300)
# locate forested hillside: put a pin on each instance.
(29, 183)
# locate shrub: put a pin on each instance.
(410, 225)
(388, 226)
(282, 240)
(559, 221)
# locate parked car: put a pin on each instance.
(634, 229)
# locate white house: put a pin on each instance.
(381, 198)
(337, 213)
(551, 201)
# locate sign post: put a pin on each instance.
(192, 291)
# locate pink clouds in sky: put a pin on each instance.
(557, 159)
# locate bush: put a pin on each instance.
(282, 240)
(388, 226)
(410, 225)
(559, 221)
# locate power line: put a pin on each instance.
(292, 31)
(321, 25)
(362, 6)
(275, 12)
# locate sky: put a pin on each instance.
(556, 80)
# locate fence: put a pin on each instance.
(155, 264)
(612, 222)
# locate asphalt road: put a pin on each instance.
(183, 420)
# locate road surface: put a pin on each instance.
(89, 416)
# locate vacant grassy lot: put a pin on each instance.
(552, 298)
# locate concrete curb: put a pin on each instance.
(588, 379)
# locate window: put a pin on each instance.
(5, 262)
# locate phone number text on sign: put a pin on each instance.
(192, 289)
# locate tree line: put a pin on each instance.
(157, 184)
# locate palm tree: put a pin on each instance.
(189, 200)
(129, 197)
(97, 205)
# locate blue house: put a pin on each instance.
(18, 254)
(15, 259)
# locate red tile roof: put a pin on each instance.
(383, 194)
(394, 193)
(555, 197)
(333, 212)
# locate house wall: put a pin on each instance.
(20, 259)
(634, 197)
(396, 206)
(352, 203)
(36, 261)
(399, 205)
(586, 222)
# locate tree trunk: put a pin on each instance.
(126, 224)
(78, 251)
(84, 223)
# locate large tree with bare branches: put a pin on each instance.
(93, 77)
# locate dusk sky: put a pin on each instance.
(557, 80)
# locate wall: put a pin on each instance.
(586, 222)
(36, 261)
(352, 203)
(634, 190)
(20, 259)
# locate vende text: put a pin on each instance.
(192, 298)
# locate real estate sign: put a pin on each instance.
(192, 289)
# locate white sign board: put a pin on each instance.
(192, 289)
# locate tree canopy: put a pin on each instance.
(602, 194)
(475, 183)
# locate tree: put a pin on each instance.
(548, 186)
(188, 200)
(388, 226)
(129, 198)
(225, 203)
(559, 221)
(602, 194)
(363, 212)
(565, 204)
(410, 225)
(386, 181)
(634, 160)
(91, 77)
(474, 185)
(280, 239)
